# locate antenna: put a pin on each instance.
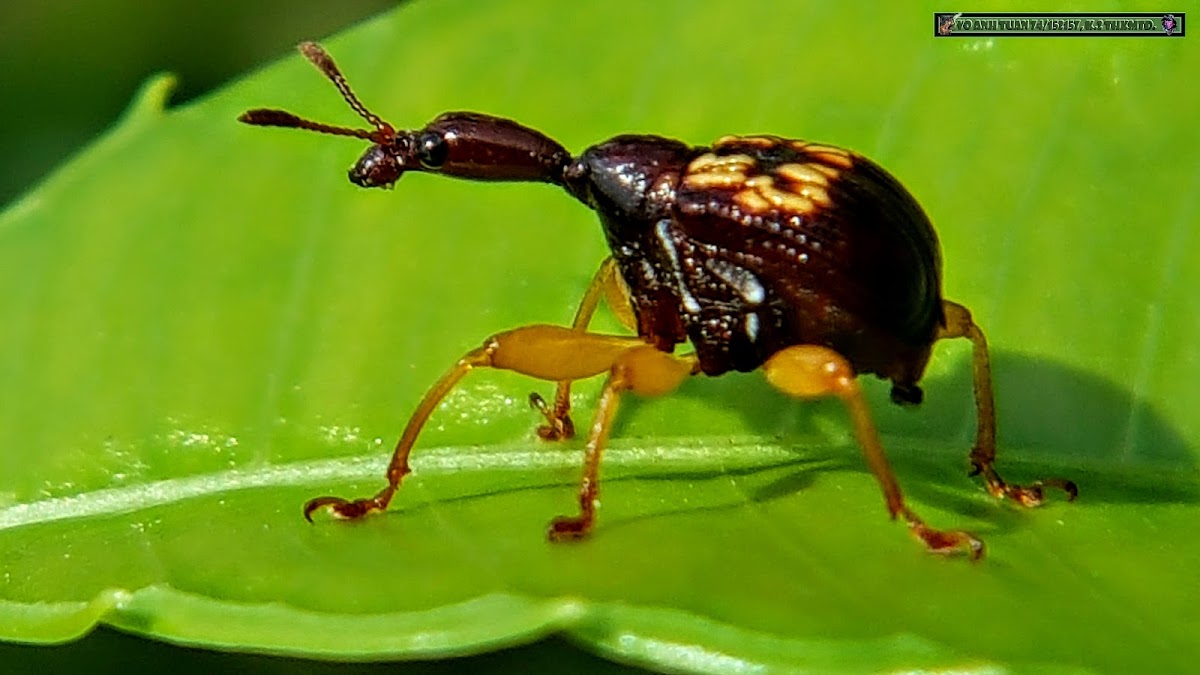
(267, 117)
(324, 62)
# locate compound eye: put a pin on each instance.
(432, 150)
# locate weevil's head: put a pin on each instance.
(459, 144)
(378, 167)
(382, 164)
(463, 145)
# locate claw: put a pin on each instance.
(320, 503)
(557, 427)
(538, 403)
(1034, 494)
(942, 542)
(947, 542)
(347, 509)
(1029, 496)
(564, 528)
(343, 509)
(1065, 485)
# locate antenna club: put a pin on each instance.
(317, 56)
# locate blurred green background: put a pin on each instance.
(67, 69)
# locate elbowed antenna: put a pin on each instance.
(316, 55)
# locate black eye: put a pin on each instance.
(431, 150)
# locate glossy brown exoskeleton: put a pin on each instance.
(808, 261)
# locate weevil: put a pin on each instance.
(807, 261)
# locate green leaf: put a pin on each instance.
(205, 325)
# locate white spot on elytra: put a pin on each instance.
(742, 280)
(750, 323)
(662, 233)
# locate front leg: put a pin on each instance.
(983, 454)
(553, 353)
(607, 283)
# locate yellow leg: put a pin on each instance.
(607, 283)
(983, 454)
(642, 370)
(553, 353)
(811, 371)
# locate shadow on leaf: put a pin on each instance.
(1052, 420)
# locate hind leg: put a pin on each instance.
(983, 454)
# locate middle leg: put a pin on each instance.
(605, 283)
(643, 370)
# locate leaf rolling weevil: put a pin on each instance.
(808, 261)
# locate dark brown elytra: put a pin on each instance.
(805, 260)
